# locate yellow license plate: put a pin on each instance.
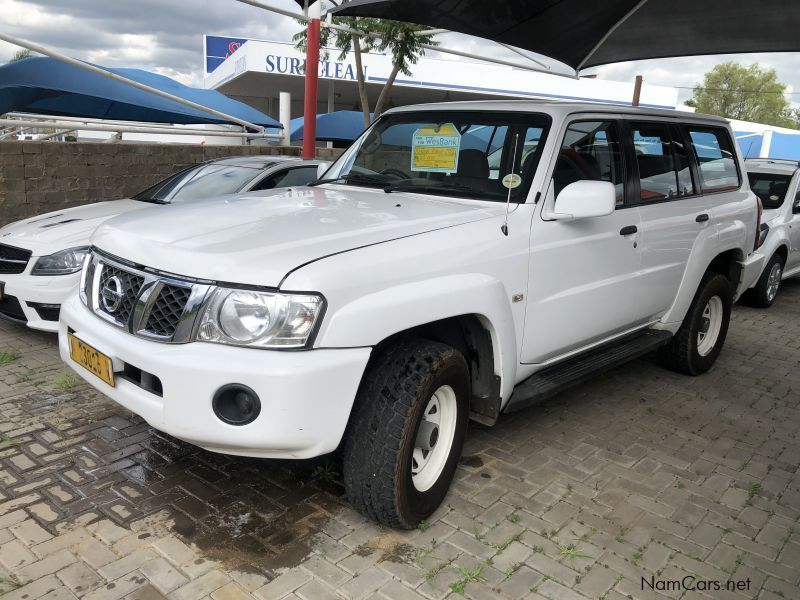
(91, 359)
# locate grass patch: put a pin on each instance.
(10, 581)
(67, 380)
(6, 440)
(326, 473)
(753, 491)
(467, 576)
(8, 356)
(571, 551)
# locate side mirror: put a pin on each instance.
(322, 168)
(583, 200)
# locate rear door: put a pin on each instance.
(672, 210)
(583, 279)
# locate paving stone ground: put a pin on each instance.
(640, 474)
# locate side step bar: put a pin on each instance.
(552, 380)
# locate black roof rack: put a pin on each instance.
(789, 161)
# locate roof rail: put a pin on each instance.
(789, 161)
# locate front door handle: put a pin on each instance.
(702, 218)
(629, 230)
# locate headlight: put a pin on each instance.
(61, 263)
(259, 319)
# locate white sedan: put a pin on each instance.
(41, 257)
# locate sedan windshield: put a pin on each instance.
(201, 181)
(770, 187)
(481, 155)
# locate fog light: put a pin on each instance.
(236, 404)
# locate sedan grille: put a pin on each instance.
(13, 260)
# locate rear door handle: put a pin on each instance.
(629, 230)
(702, 218)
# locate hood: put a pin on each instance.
(258, 238)
(62, 229)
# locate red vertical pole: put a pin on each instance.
(312, 77)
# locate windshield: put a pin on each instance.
(201, 181)
(770, 187)
(481, 155)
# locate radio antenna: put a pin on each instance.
(511, 177)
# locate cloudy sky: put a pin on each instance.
(166, 36)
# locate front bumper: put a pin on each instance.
(306, 396)
(38, 298)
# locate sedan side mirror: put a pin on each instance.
(322, 168)
(584, 199)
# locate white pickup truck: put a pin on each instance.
(458, 261)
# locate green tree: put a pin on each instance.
(21, 55)
(746, 93)
(402, 40)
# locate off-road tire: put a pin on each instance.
(381, 434)
(757, 296)
(681, 353)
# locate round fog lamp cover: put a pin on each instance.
(236, 404)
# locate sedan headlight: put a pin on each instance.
(259, 319)
(64, 262)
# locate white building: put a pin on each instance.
(256, 71)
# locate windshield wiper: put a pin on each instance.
(150, 200)
(430, 188)
(356, 178)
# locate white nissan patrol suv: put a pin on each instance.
(459, 261)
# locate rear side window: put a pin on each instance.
(590, 150)
(716, 158)
(663, 164)
(771, 188)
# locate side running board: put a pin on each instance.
(552, 380)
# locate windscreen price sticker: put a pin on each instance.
(435, 148)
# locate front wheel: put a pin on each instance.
(407, 431)
(696, 346)
(763, 294)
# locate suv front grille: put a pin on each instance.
(118, 290)
(143, 303)
(13, 260)
(167, 310)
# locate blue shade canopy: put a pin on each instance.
(339, 126)
(50, 87)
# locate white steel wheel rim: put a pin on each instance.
(774, 281)
(710, 326)
(434, 440)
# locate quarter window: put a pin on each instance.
(663, 164)
(716, 158)
(591, 150)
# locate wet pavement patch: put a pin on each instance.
(95, 460)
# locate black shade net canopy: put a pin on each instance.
(588, 33)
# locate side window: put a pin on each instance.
(796, 207)
(717, 160)
(287, 178)
(663, 163)
(590, 150)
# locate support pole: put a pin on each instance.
(312, 81)
(285, 117)
(637, 90)
(766, 144)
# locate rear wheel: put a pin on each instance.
(696, 346)
(763, 294)
(407, 431)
